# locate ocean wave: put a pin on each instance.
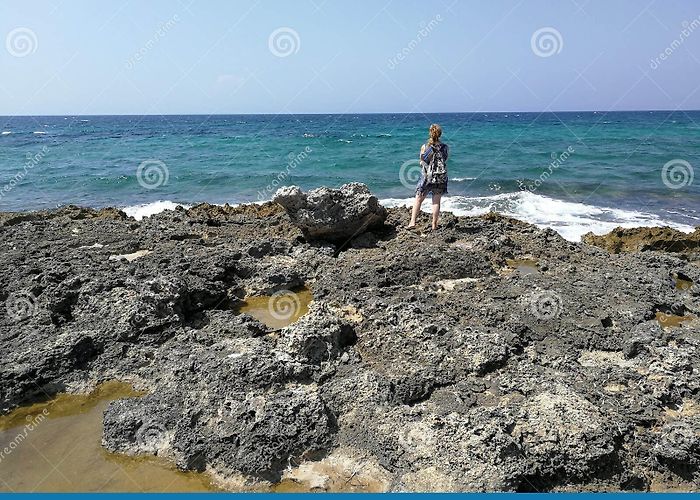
(138, 212)
(6, 132)
(685, 212)
(571, 220)
(462, 179)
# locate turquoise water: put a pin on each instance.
(609, 167)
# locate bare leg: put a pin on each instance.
(436, 209)
(416, 208)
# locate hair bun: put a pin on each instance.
(435, 132)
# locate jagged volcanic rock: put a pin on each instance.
(425, 358)
(644, 239)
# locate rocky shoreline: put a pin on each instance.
(487, 356)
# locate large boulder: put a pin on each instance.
(332, 214)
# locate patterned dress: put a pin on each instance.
(424, 187)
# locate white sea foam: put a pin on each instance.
(138, 212)
(571, 220)
(6, 132)
(462, 179)
(39, 132)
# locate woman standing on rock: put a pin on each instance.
(433, 162)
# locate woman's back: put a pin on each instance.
(433, 160)
(428, 152)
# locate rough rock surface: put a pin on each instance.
(643, 239)
(425, 362)
(332, 214)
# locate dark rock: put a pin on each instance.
(679, 443)
(422, 354)
(644, 239)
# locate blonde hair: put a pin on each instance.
(434, 133)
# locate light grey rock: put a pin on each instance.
(332, 214)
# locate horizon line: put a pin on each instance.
(362, 113)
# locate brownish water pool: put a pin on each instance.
(523, 266)
(682, 283)
(667, 320)
(279, 309)
(56, 446)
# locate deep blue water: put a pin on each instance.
(612, 161)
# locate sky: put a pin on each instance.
(82, 57)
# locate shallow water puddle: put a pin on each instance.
(523, 266)
(671, 320)
(682, 283)
(56, 446)
(279, 309)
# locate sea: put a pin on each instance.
(574, 172)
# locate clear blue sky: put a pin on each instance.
(107, 57)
